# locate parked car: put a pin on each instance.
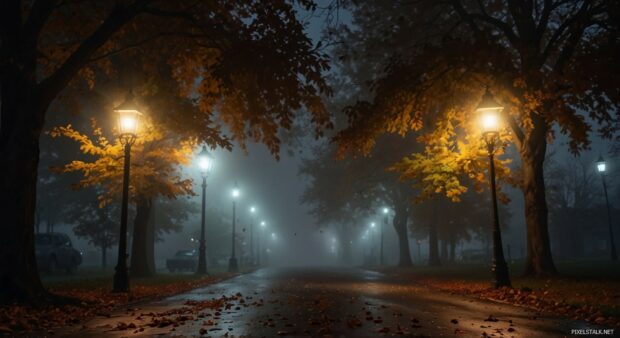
(183, 260)
(55, 252)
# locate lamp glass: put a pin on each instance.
(235, 193)
(601, 166)
(128, 121)
(490, 121)
(205, 161)
(386, 210)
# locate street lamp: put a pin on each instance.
(232, 263)
(205, 162)
(262, 227)
(601, 166)
(489, 111)
(386, 212)
(373, 238)
(128, 119)
(252, 212)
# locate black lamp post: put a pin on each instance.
(232, 262)
(372, 241)
(489, 111)
(601, 166)
(205, 162)
(252, 213)
(385, 223)
(262, 227)
(128, 118)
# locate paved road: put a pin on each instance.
(336, 302)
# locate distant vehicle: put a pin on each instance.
(55, 252)
(183, 260)
(474, 256)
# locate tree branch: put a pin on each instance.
(39, 13)
(516, 129)
(119, 16)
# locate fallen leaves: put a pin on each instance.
(92, 302)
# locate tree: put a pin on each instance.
(248, 61)
(344, 191)
(97, 224)
(546, 62)
(156, 160)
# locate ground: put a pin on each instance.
(334, 302)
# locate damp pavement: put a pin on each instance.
(321, 302)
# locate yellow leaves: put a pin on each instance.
(156, 159)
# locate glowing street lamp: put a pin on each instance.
(373, 239)
(252, 214)
(232, 263)
(601, 166)
(489, 111)
(205, 162)
(128, 120)
(386, 212)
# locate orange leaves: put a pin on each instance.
(156, 159)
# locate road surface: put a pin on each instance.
(331, 302)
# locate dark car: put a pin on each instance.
(183, 260)
(55, 252)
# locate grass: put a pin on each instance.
(578, 284)
(93, 277)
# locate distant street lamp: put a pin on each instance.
(205, 162)
(128, 119)
(489, 111)
(262, 227)
(601, 166)
(252, 212)
(386, 212)
(232, 263)
(373, 239)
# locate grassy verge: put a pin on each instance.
(585, 290)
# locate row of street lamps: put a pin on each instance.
(128, 120)
(488, 109)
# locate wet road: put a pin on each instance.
(336, 302)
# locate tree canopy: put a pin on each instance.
(549, 63)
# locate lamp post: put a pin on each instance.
(601, 166)
(252, 213)
(205, 162)
(489, 111)
(128, 118)
(262, 227)
(372, 241)
(232, 263)
(386, 212)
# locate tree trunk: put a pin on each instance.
(103, 257)
(539, 261)
(20, 128)
(150, 239)
(433, 247)
(444, 250)
(452, 256)
(139, 266)
(399, 222)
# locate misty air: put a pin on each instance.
(309, 168)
